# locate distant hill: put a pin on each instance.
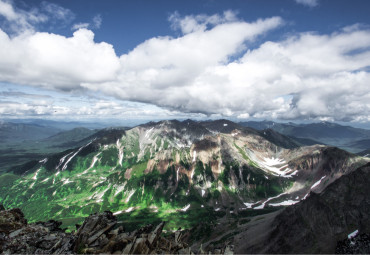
(16, 132)
(346, 137)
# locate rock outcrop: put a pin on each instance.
(99, 233)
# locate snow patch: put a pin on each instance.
(119, 189)
(353, 234)
(249, 205)
(120, 152)
(284, 203)
(277, 166)
(66, 181)
(202, 206)
(194, 156)
(148, 132)
(177, 174)
(118, 212)
(44, 160)
(129, 196)
(70, 158)
(264, 203)
(185, 208)
(305, 196)
(225, 124)
(129, 209)
(217, 209)
(45, 180)
(61, 161)
(35, 176)
(203, 192)
(318, 182)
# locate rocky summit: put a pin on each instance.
(98, 234)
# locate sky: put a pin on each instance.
(282, 60)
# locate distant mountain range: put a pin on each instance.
(345, 137)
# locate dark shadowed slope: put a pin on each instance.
(316, 224)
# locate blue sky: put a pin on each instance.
(288, 60)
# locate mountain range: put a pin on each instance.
(214, 179)
(346, 137)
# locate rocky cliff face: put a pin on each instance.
(317, 224)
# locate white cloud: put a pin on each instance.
(80, 25)
(309, 3)
(208, 69)
(58, 12)
(20, 21)
(192, 23)
(97, 20)
(54, 61)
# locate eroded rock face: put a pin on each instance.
(98, 234)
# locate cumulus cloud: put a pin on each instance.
(54, 61)
(210, 68)
(309, 3)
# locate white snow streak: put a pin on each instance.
(119, 189)
(353, 234)
(185, 208)
(70, 158)
(203, 192)
(284, 203)
(129, 196)
(129, 209)
(118, 212)
(271, 198)
(35, 176)
(148, 132)
(66, 181)
(225, 125)
(177, 174)
(61, 161)
(305, 196)
(44, 160)
(318, 182)
(249, 205)
(194, 156)
(120, 152)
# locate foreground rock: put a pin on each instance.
(98, 234)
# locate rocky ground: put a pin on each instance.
(98, 234)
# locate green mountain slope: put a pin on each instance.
(181, 172)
